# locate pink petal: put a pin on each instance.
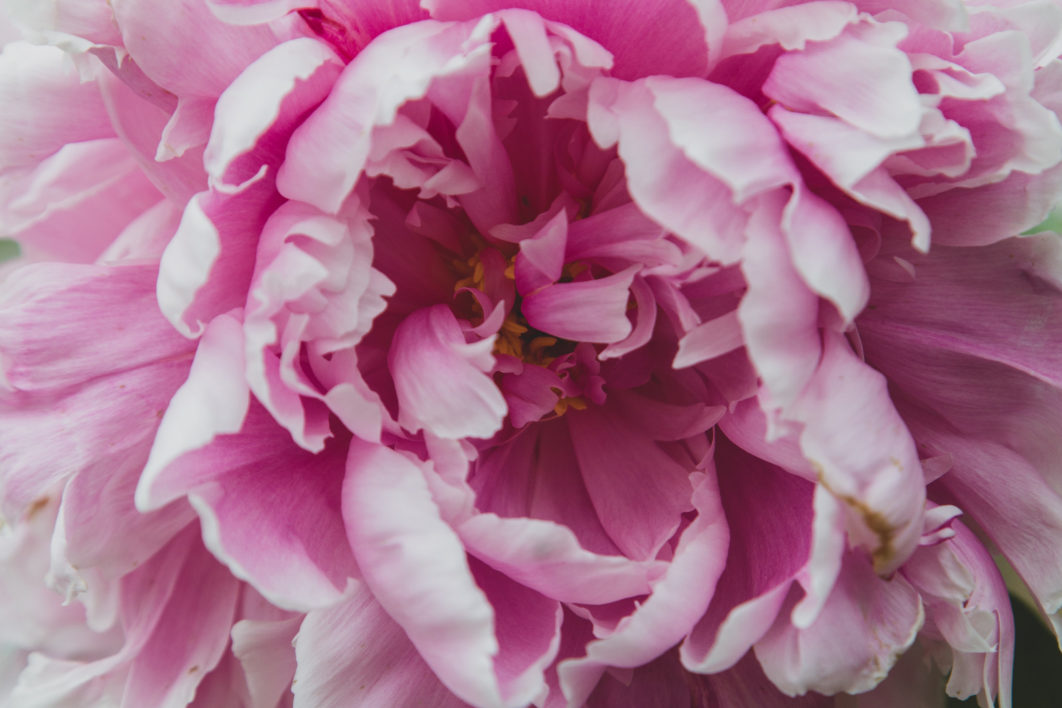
(639, 513)
(863, 453)
(443, 383)
(54, 315)
(528, 626)
(337, 666)
(583, 311)
(46, 105)
(770, 520)
(984, 215)
(866, 624)
(301, 559)
(183, 48)
(547, 557)
(207, 267)
(260, 108)
(658, 37)
(678, 599)
(213, 401)
(860, 77)
(416, 567)
(531, 477)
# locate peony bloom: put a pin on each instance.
(677, 353)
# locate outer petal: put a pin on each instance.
(416, 567)
(863, 453)
(866, 624)
(46, 105)
(183, 48)
(337, 666)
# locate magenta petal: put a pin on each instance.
(678, 599)
(301, 559)
(586, 311)
(416, 566)
(442, 382)
(640, 512)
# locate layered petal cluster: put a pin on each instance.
(509, 353)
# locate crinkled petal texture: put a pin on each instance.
(554, 353)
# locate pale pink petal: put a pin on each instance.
(61, 325)
(301, 559)
(778, 314)
(71, 205)
(354, 651)
(189, 637)
(267, 657)
(860, 77)
(140, 124)
(790, 27)
(416, 567)
(968, 607)
(866, 624)
(253, 12)
(685, 178)
(328, 151)
(547, 557)
(259, 109)
(213, 401)
(863, 453)
(183, 48)
(46, 105)
(207, 267)
(442, 382)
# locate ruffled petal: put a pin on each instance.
(337, 666)
(443, 383)
(866, 624)
(416, 567)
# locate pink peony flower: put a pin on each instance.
(678, 353)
